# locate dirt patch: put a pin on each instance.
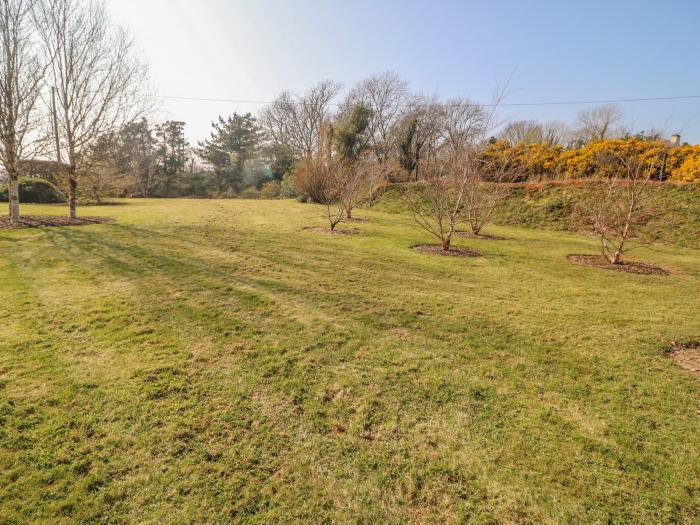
(687, 356)
(44, 221)
(103, 203)
(454, 251)
(481, 236)
(357, 219)
(598, 261)
(337, 231)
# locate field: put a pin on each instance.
(212, 361)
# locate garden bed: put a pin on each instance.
(454, 251)
(45, 221)
(599, 261)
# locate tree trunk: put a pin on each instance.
(348, 212)
(72, 190)
(13, 198)
(446, 244)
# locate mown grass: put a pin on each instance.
(210, 361)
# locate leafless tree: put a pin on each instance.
(386, 96)
(619, 204)
(329, 178)
(295, 122)
(486, 186)
(522, 132)
(598, 123)
(454, 189)
(439, 207)
(462, 123)
(354, 178)
(98, 78)
(21, 80)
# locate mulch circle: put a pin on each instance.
(43, 221)
(481, 236)
(686, 355)
(337, 231)
(454, 251)
(599, 261)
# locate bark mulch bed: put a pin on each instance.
(454, 251)
(686, 355)
(337, 231)
(43, 221)
(481, 236)
(599, 261)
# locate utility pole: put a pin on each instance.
(55, 123)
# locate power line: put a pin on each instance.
(511, 104)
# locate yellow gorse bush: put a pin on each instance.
(544, 161)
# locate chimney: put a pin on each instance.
(675, 140)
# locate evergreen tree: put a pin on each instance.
(234, 141)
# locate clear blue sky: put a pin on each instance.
(552, 51)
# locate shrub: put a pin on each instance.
(311, 181)
(36, 191)
(249, 193)
(270, 190)
(287, 190)
(689, 171)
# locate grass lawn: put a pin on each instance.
(210, 361)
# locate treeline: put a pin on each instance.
(379, 123)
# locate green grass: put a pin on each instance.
(210, 361)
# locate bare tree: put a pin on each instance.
(354, 178)
(21, 74)
(99, 81)
(486, 186)
(462, 122)
(386, 96)
(597, 123)
(619, 204)
(326, 175)
(439, 207)
(522, 132)
(295, 122)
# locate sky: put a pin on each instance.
(547, 51)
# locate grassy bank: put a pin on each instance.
(210, 361)
(552, 206)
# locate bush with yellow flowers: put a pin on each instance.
(547, 162)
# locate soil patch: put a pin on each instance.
(337, 231)
(103, 203)
(454, 251)
(599, 261)
(482, 236)
(687, 356)
(43, 221)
